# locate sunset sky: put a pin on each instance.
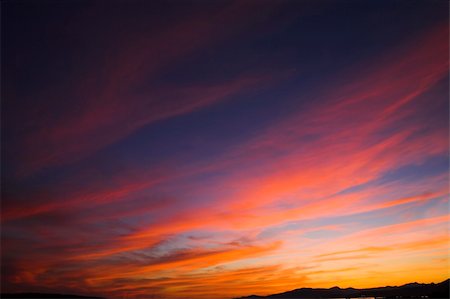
(214, 149)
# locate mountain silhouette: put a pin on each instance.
(410, 290)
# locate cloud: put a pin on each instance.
(78, 219)
(103, 99)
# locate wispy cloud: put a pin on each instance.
(91, 206)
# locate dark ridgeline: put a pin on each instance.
(44, 295)
(410, 290)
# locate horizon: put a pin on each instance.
(302, 288)
(174, 148)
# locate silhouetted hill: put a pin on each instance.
(410, 290)
(43, 295)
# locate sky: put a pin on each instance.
(214, 149)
